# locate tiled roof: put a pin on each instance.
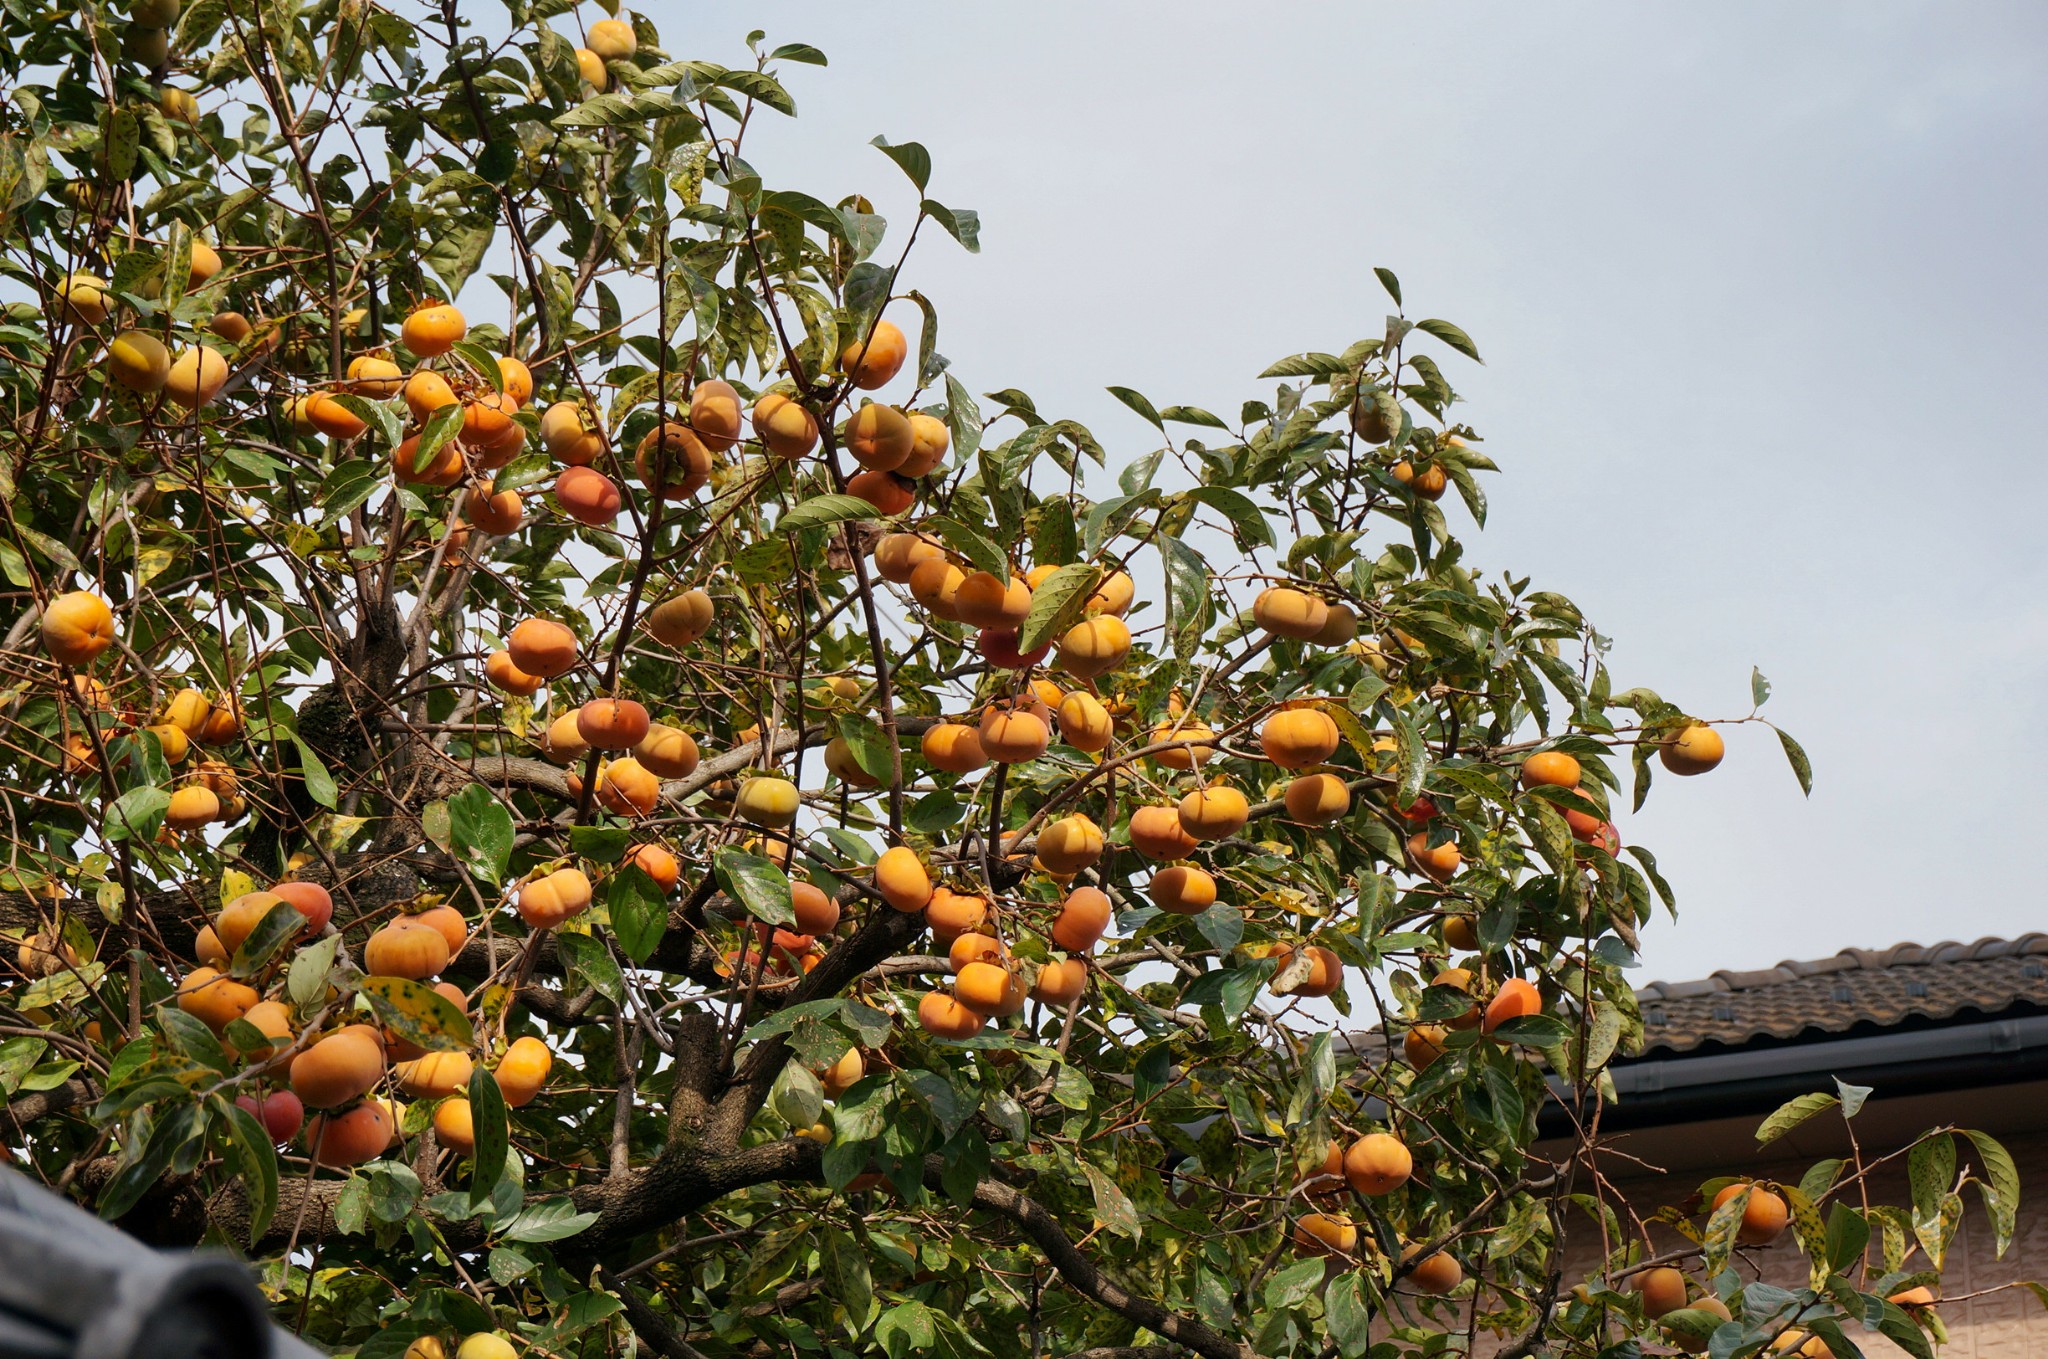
(1832, 995)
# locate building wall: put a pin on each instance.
(2008, 1324)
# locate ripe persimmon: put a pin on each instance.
(984, 600)
(1295, 738)
(340, 1067)
(1068, 845)
(1695, 750)
(1378, 1163)
(1287, 612)
(1437, 1273)
(1317, 799)
(1550, 769)
(433, 329)
(1156, 833)
(1214, 813)
(339, 1141)
(1182, 889)
(888, 493)
(667, 752)
(1434, 861)
(788, 430)
(571, 432)
(942, 1016)
(672, 461)
(405, 949)
(1516, 998)
(878, 436)
(1012, 735)
(523, 1070)
(681, 618)
(1324, 1234)
(1083, 918)
(715, 414)
(503, 674)
(935, 583)
(1763, 1217)
(872, 359)
(951, 914)
(1061, 983)
(76, 627)
(1094, 646)
(588, 496)
(929, 441)
(612, 723)
(546, 902)
(628, 788)
(816, 912)
(543, 647)
(901, 879)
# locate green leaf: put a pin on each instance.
(548, 1220)
(378, 415)
(1292, 1286)
(306, 983)
(443, 425)
(971, 543)
(825, 509)
(1452, 336)
(1246, 522)
(1759, 687)
(1930, 1170)
(799, 51)
(1795, 755)
(355, 481)
(2001, 1187)
(846, 1275)
(600, 844)
(319, 783)
(932, 813)
(480, 832)
(137, 814)
(1192, 415)
(961, 224)
(255, 1161)
(1791, 1114)
(757, 884)
(797, 1096)
(1057, 604)
(639, 912)
(1852, 1097)
(493, 1139)
(1113, 1208)
(1848, 1235)
(279, 926)
(418, 1013)
(1137, 402)
(1315, 365)
(1349, 1313)
(910, 157)
(963, 420)
(1390, 283)
(1533, 1031)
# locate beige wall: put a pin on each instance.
(2007, 1325)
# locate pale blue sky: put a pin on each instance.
(1760, 288)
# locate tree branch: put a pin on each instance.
(1085, 1278)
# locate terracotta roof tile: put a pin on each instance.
(1832, 995)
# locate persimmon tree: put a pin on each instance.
(568, 787)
